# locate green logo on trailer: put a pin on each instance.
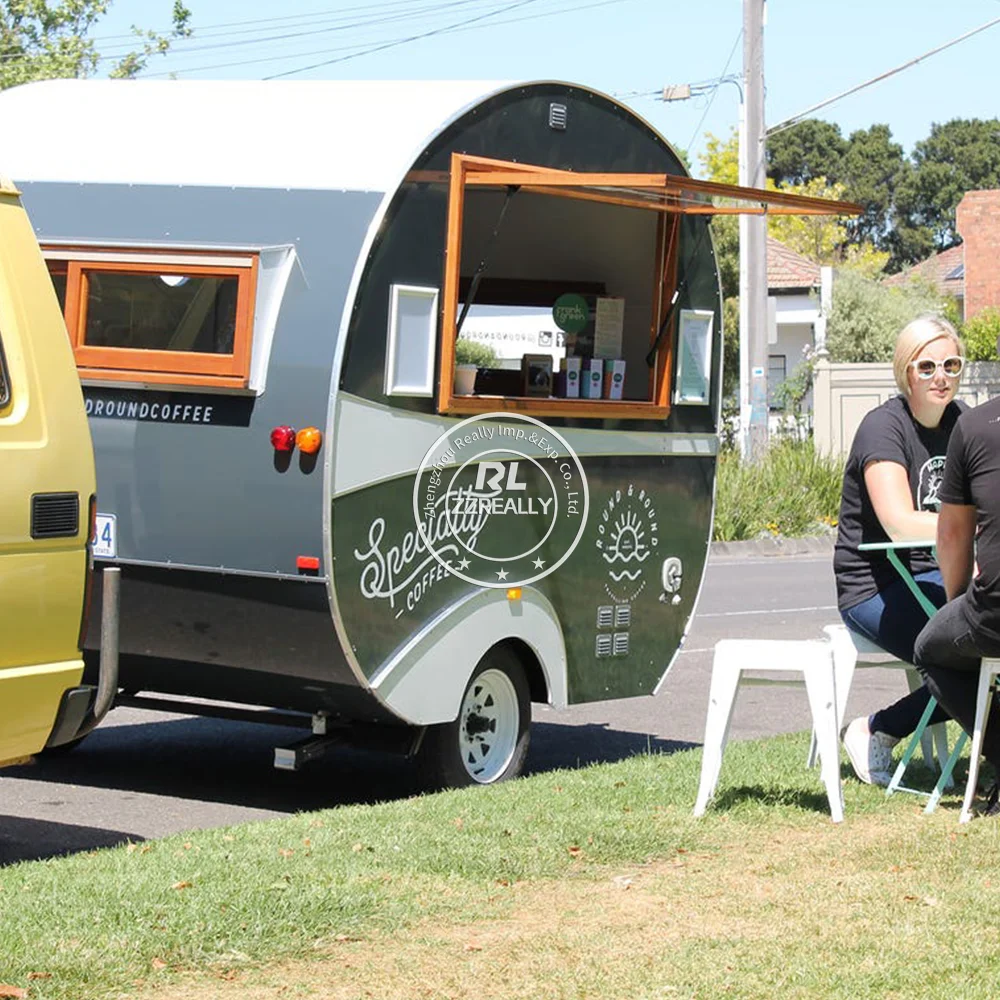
(570, 312)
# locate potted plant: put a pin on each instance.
(470, 356)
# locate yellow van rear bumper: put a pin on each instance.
(29, 700)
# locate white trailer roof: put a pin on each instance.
(328, 134)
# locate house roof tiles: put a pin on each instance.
(788, 269)
(946, 270)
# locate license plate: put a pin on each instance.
(106, 542)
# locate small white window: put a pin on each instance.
(409, 363)
(694, 356)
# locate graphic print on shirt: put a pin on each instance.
(929, 483)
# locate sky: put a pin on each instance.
(630, 49)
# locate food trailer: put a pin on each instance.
(313, 508)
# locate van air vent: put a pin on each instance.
(557, 116)
(55, 515)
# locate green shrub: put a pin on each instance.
(473, 352)
(792, 492)
(980, 335)
(866, 316)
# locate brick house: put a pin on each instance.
(978, 222)
(970, 271)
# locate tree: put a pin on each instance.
(961, 155)
(721, 160)
(872, 165)
(805, 152)
(720, 163)
(982, 335)
(44, 40)
(818, 237)
(866, 316)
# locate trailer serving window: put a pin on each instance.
(599, 260)
(182, 318)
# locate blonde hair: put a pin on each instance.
(913, 338)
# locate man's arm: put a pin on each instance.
(956, 533)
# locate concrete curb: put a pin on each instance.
(812, 545)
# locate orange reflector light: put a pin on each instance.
(309, 439)
(514, 594)
(307, 562)
(283, 438)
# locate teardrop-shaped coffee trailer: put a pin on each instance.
(312, 509)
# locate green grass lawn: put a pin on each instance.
(589, 883)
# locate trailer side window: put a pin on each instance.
(176, 318)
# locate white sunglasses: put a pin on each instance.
(927, 367)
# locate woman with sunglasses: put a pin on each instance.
(890, 493)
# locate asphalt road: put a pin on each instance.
(144, 774)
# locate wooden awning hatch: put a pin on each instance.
(667, 193)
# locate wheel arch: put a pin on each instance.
(538, 683)
(424, 682)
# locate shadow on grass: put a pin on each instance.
(810, 801)
(557, 746)
(35, 839)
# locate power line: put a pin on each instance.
(708, 106)
(467, 25)
(310, 28)
(795, 119)
(181, 47)
(265, 22)
(400, 41)
(702, 86)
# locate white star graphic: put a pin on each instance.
(539, 563)
(464, 564)
(502, 574)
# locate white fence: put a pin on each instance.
(844, 393)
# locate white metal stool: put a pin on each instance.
(851, 649)
(989, 670)
(813, 658)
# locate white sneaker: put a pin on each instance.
(870, 753)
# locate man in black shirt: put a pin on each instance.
(967, 628)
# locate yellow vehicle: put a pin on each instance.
(47, 502)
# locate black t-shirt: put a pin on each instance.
(889, 433)
(973, 479)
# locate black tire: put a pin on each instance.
(63, 748)
(488, 742)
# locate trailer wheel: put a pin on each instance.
(488, 742)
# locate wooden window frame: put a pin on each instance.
(668, 194)
(129, 364)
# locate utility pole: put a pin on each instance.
(753, 252)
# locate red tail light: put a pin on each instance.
(283, 438)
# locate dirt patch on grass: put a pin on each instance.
(700, 923)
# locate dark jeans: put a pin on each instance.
(948, 654)
(892, 619)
